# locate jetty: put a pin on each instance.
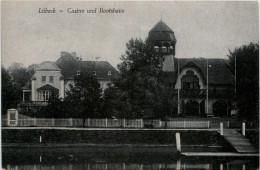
(242, 145)
(238, 141)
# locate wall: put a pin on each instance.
(38, 82)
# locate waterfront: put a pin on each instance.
(103, 158)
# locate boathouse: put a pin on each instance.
(205, 86)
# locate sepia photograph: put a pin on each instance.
(129, 85)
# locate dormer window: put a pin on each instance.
(94, 73)
(78, 73)
(156, 49)
(109, 73)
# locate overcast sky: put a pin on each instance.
(202, 29)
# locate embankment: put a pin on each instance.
(63, 136)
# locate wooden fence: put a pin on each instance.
(109, 123)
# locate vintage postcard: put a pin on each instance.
(129, 85)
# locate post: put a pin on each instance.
(70, 122)
(221, 167)
(160, 123)
(178, 164)
(221, 129)
(141, 123)
(178, 142)
(106, 122)
(52, 122)
(244, 129)
(208, 124)
(124, 123)
(34, 121)
(184, 124)
(88, 122)
(32, 88)
(40, 139)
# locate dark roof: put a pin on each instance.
(70, 66)
(48, 87)
(218, 74)
(161, 27)
(26, 87)
(161, 32)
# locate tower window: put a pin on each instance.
(94, 73)
(78, 73)
(170, 48)
(109, 73)
(156, 49)
(164, 49)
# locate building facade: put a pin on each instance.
(205, 86)
(55, 77)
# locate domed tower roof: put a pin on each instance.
(161, 32)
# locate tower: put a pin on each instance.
(162, 38)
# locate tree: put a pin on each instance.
(84, 96)
(20, 77)
(145, 87)
(247, 79)
(7, 92)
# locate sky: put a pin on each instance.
(202, 29)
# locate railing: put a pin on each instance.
(109, 123)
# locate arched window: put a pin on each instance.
(94, 73)
(190, 81)
(156, 49)
(109, 73)
(164, 49)
(78, 73)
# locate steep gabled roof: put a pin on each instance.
(219, 73)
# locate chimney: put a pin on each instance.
(74, 54)
(63, 53)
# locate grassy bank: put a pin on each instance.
(109, 137)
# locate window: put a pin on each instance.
(94, 73)
(156, 49)
(109, 73)
(12, 116)
(164, 49)
(44, 95)
(43, 79)
(78, 73)
(51, 79)
(190, 81)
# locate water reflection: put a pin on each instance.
(96, 158)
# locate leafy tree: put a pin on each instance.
(145, 87)
(20, 76)
(7, 93)
(84, 96)
(247, 78)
